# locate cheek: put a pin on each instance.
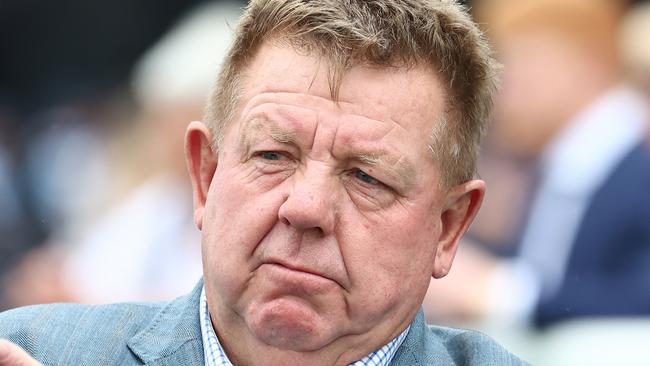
(237, 217)
(238, 205)
(390, 257)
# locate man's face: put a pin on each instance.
(323, 221)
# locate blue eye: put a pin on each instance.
(361, 175)
(271, 155)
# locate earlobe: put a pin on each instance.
(460, 207)
(201, 164)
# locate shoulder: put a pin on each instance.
(117, 334)
(443, 346)
(77, 318)
(63, 331)
(468, 347)
(75, 311)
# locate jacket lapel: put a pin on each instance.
(173, 337)
(421, 348)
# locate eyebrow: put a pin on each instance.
(401, 170)
(280, 134)
(261, 124)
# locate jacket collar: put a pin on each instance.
(419, 349)
(173, 337)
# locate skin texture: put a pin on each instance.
(322, 221)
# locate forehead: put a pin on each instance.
(371, 100)
(371, 91)
(326, 133)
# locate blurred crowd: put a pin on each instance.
(565, 229)
(95, 202)
(95, 206)
(563, 238)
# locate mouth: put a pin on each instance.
(300, 270)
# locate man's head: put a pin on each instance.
(559, 56)
(437, 35)
(324, 214)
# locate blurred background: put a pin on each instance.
(95, 205)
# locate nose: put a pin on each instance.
(311, 202)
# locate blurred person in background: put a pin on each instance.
(635, 47)
(115, 249)
(123, 254)
(14, 223)
(58, 195)
(583, 244)
(63, 99)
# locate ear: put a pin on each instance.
(201, 163)
(460, 206)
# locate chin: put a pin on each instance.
(289, 324)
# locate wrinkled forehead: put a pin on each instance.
(381, 114)
(331, 133)
(368, 89)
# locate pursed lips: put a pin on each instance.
(303, 269)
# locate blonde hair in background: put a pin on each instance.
(635, 47)
(588, 24)
(438, 34)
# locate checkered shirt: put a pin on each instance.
(215, 355)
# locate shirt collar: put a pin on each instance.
(212, 350)
(215, 355)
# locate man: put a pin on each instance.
(332, 179)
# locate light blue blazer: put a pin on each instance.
(169, 333)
